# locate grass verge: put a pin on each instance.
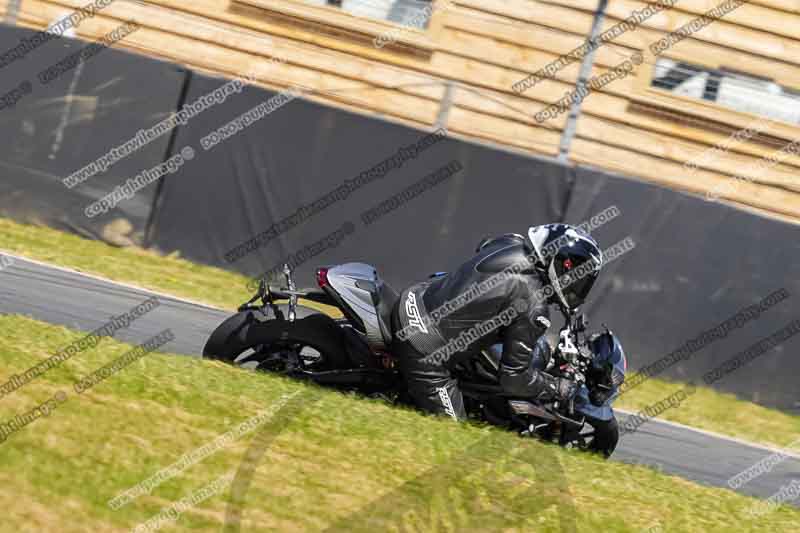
(719, 412)
(707, 409)
(324, 461)
(168, 274)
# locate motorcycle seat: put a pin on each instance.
(386, 299)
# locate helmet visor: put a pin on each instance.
(577, 290)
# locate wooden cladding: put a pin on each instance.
(483, 47)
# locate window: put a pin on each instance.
(408, 26)
(713, 95)
(730, 89)
(414, 13)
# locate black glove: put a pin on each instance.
(561, 389)
(567, 389)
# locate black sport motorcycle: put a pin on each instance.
(354, 352)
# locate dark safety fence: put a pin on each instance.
(59, 117)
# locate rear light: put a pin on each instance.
(322, 277)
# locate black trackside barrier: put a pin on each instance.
(302, 151)
(59, 127)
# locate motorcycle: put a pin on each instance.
(354, 353)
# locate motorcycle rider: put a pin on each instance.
(501, 295)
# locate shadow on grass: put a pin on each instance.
(470, 491)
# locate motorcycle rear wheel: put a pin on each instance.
(315, 340)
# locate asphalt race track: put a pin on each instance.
(85, 303)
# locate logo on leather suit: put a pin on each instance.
(412, 311)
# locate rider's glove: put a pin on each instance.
(561, 389)
(567, 389)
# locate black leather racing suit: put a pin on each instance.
(481, 313)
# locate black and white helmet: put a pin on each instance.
(569, 258)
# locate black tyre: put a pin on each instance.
(247, 339)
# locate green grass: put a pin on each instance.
(327, 460)
(707, 409)
(719, 412)
(169, 274)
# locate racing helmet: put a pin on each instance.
(569, 260)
